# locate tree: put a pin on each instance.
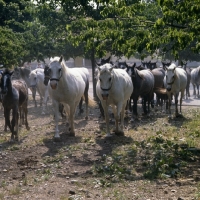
(13, 18)
(178, 27)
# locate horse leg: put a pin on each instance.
(116, 118)
(20, 116)
(188, 89)
(33, 89)
(66, 109)
(194, 90)
(121, 110)
(105, 109)
(14, 123)
(176, 105)
(61, 110)
(181, 98)
(56, 114)
(25, 111)
(144, 105)
(80, 106)
(135, 106)
(86, 98)
(169, 103)
(7, 119)
(71, 117)
(130, 107)
(45, 99)
(101, 109)
(197, 91)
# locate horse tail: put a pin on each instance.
(91, 102)
(160, 90)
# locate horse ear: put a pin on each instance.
(98, 64)
(111, 68)
(174, 68)
(61, 58)
(165, 67)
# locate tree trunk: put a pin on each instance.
(93, 74)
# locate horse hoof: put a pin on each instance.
(108, 135)
(119, 133)
(72, 134)
(86, 117)
(56, 139)
(27, 128)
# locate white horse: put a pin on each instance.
(195, 80)
(66, 86)
(114, 87)
(175, 81)
(84, 72)
(36, 78)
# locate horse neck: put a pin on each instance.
(65, 71)
(10, 87)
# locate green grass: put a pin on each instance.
(1, 196)
(15, 191)
(161, 154)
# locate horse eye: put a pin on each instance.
(109, 79)
(60, 70)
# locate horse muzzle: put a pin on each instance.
(53, 84)
(46, 82)
(4, 91)
(104, 96)
(169, 88)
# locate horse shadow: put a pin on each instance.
(55, 146)
(178, 121)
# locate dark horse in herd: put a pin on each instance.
(14, 98)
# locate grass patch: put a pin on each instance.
(161, 154)
(3, 183)
(15, 191)
(1, 196)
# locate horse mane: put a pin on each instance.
(140, 74)
(25, 71)
(105, 68)
(6, 71)
(172, 66)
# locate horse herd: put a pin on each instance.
(119, 86)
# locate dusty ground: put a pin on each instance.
(38, 168)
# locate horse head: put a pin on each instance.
(130, 68)
(6, 81)
(104, 61)
(55, 72)
(170, 76)
(46, 74)
(166, 65)
(17, 72)
(106, 79)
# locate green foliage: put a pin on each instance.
(126, 27)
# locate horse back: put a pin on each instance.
(195, 76)
(22, 89)
(84, 72)
(144, 82)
